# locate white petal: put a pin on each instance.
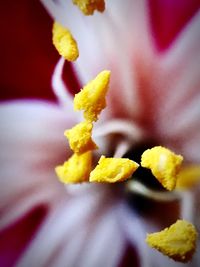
(179, 70)
(186, 118)
(64, 98)
(64, 237)
(134, 231)
(106, 243)
(176, 96)
(32, 144)
(190, 146)
(181, 130)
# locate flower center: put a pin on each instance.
(143, 175)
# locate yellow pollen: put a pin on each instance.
(64, 42)
(164, 165)
(79, 137)
(188, 177)
(76, 170)
(89, 6)
(91, 99)
(111, 170)
(177, 242)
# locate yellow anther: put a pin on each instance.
(164, 165)
(177, 242)
(89, 6)
(111, 170)
(188, 177)
(79, 137)
(91, 99)
(76, 170)
(64, 42)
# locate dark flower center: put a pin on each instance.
(143, 175)
(144, 205)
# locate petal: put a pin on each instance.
(180, 67)
(134, 231)
(32, 144)
(168, 18)
(16, 236)
(73, 229)
(106, 244)
(177, 111)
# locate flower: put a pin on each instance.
(159, 100)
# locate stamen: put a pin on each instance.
(91, 99)
(187, 205)
(76, 170)
(138, 188)
(177, 242)
(113, 170)
(79, 137)
(164, 165)
(122, 148)
(89, 6)
(64, 42)
(124, 127)
(188, 177)
(59, 88)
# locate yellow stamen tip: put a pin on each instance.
(164, 165)
(64, 42)
(188, 177)
(89, 6)
(91, 99)
(113, 170)
(79, 137)
(177, 242)
(76, 169)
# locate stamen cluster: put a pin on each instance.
(91, 100)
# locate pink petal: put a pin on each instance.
(177, 109)
(135, 232)
(15, 237)
(72, 230)
(168, 18)
(106, 243)
(32, 144)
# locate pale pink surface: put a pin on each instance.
(155, 91)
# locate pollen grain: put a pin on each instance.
(164, 165)
(91, 99)
(76, 169)
(89, 6)
(64, 42)
(177, 242)
(111, 170)
(80, 137)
